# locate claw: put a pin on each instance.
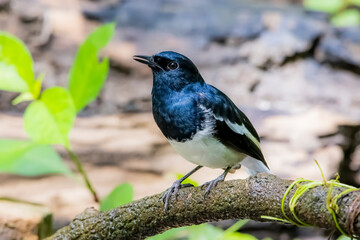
(176, 186)
(212, 184)
(173, 190)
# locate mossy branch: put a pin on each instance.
(249, 198)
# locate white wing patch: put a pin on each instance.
(241, 129)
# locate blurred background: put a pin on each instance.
(292, 66)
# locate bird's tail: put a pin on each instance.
(253, 166)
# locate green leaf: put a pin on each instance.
(236, 226)
(342, 237)
(87, 74)
(29, 96)
(347, 18)
(205, 232)
(29, 159)
(232, 234)
(121, 195)
(37, 86)
(329, 6)
(50, 119)
(188, 180)
(174, 233)
(237, 236)
(23, 97)
(16, 65)
(355, 2)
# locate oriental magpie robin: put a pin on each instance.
(200, 122)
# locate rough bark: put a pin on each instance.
(250, 198)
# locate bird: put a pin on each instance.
(200, 122)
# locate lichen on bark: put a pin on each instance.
(249, 198)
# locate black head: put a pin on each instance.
(171, 69)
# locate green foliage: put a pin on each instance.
(237, 236)
(198, 232)
(172, 234)
(232, 234)
(331, 201)
(188, 180)
(205, 232)
(342, 237)
(50, 119)
(354, 2)
(329, 6)
(87, 74)
(121, 195)
(28, 96)
(341, 13)
(16, 65)
(29, 158)
(350, 17)
(239, 224)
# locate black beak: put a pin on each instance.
(144, 59)
(148, 60)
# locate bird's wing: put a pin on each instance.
(232, 128)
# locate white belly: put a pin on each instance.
(208, 151)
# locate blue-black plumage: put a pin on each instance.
(200, 122)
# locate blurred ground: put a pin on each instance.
(295, 76)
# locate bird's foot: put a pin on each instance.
(212, 184)
(173, 190)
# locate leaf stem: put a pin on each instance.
(9, 199)
(81, 170)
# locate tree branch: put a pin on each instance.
(249, 198)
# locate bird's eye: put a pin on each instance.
(172, 65)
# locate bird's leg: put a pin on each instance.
(176, 186)
(213, 183)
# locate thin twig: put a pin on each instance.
(81, 170)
